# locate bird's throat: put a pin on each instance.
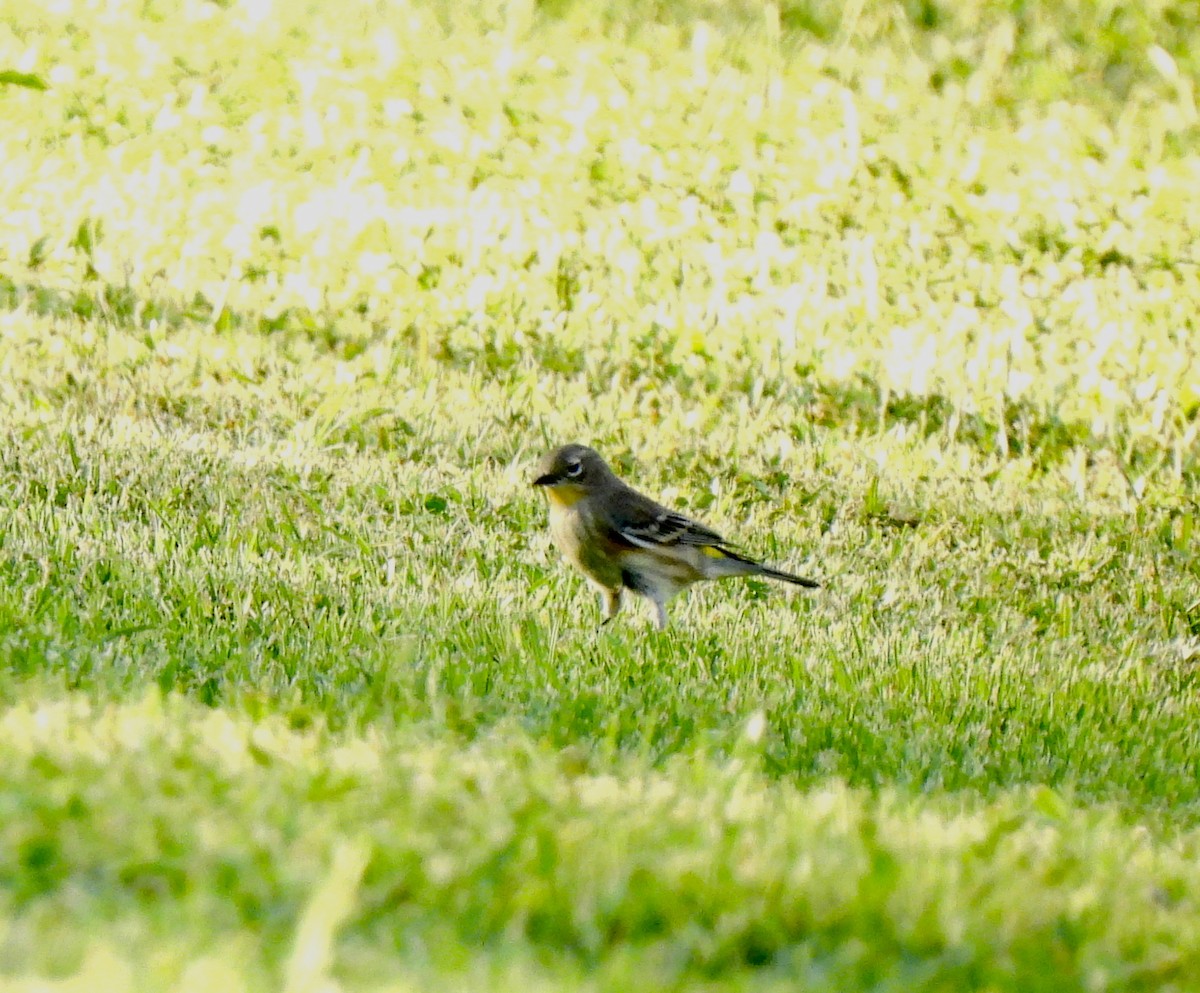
(564, 494)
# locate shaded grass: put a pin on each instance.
(292, 688)
(705, 869)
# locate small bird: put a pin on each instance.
(620, 539)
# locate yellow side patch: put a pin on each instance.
(713, 552)
(564, 494)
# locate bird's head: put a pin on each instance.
(570, 472)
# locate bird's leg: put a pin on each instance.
(610, 603)
(660, 614)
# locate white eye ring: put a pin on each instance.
(574, 469)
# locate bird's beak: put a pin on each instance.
(549, 479)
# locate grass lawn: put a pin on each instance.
(294, 693)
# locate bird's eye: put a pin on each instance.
(574, 469)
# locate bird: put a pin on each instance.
(621, 539)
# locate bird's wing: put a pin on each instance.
(646, 524)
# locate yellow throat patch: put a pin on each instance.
(564, 494)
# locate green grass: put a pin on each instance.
(294, 693)
(500, 856)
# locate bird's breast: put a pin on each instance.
(576, 536)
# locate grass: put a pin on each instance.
(434, 853)
(293, 692)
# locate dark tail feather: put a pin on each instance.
(787, 577)
(766, 570)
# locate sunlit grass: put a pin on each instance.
(294, 693)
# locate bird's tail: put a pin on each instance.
(733, 564)
(787, 577)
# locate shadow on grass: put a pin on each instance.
(120, 305)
